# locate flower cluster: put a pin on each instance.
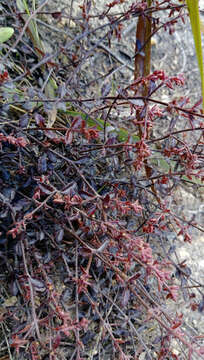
(20, 141)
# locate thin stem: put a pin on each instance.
(32, 297)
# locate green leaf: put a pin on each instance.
(22, 6)
(5, 33)
(193, 10)
(122, 134)
(164, 164)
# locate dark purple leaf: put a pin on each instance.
(27, 183)
(38, 284)
(31, 92)
(60, 235)
(67, 294)
(4, 213)
(52, 157)
(50, 134)
(125, 297)
(16, 98)
(14, 288)
(62, 90)
(9, 193)
(42, 164)
(47, 258)
(87, 337)
(71, 189)
(152, 86)
(40, 235)
(85, 194)
(22, 204)
(3, 240)
(157, 340)
(18, 249)
(68, 137)
(44, 189)
(23, 121)
(77, 123)
(5, 175)
(39, 119)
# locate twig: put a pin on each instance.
(129, 322)
(113, 54)
(77, 300)
(31, 292)
(7, 343)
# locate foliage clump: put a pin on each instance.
(86, 222)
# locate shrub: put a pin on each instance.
(86, 217)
